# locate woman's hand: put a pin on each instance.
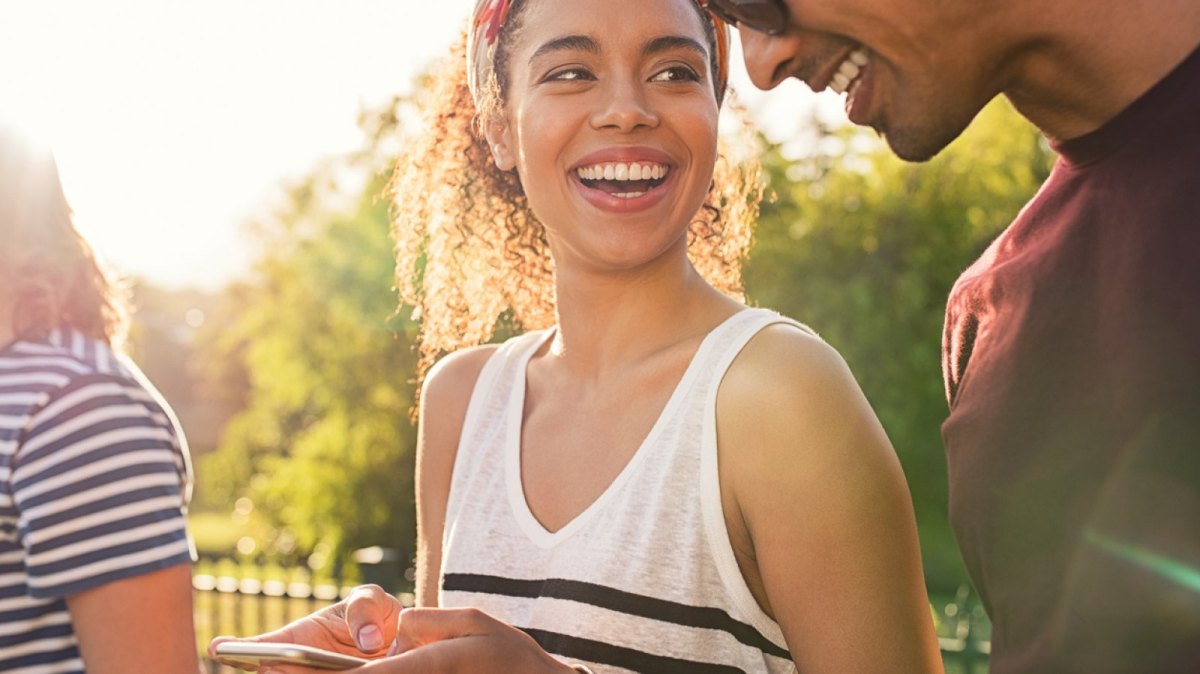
(454, 641)
(463, 641)
(363, 625)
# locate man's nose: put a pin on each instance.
(770, 59)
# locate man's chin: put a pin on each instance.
(918, 145)
(908, 150)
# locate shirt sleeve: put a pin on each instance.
(99, 482)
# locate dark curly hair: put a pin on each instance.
(468, 248)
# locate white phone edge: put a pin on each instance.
(258, 653)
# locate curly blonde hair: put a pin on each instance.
(53, 278)
(470, 252)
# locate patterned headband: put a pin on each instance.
(488, 20)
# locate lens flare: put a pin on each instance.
(1164, 566)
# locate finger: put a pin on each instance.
(324, 629)
(371, 618)
(300, 669)
(446, 657)
(421, 626)
(212, 652)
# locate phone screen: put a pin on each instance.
(254, 654)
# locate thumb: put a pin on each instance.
(371, 618)
(421, 626)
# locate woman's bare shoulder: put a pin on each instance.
(788, 360)
(789, 399)
(451, 380)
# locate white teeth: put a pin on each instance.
(849, 70)
(623, 171)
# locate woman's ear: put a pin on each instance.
(500, 140)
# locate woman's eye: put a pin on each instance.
(570, 75)
(676, 74)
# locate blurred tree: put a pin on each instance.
(865, 248)
(323, 445)
(861, 246)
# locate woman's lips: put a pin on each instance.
(640, 194)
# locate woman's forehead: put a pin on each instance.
(607, 21)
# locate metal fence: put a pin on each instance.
(963, 629)
(239, 599)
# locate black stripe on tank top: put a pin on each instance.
(615, 600)
(576, 648)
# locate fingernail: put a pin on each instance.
(370, 639)
(394, 649)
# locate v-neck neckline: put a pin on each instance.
(533, 528)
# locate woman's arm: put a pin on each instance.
(139, 624)
(819, 510)
(444, 400)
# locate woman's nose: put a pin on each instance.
(625, 108)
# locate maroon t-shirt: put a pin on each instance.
(1072, 363)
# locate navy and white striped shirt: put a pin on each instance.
(94, 483)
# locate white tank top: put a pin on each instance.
(644, 579)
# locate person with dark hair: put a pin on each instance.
(95, 572)
(655, 477)
(1071, 350)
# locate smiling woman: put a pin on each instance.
(491, 253)
(655, 478)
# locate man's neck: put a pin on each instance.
(1083, 62)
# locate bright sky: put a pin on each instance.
(175, 122)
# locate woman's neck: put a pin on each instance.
(607, 321)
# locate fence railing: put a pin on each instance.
(239, 599)
(963, 629)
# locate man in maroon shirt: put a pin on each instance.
(1072, 346)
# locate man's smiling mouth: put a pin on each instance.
(848, 73)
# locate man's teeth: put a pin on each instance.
(849, 70)
(616, 171)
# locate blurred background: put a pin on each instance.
(229, 158)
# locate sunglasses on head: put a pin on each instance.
(764, 16)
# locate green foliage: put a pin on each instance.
(324, 445)
(865, 248)
(859, 245)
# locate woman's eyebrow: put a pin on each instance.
(671, 43)
(568, 43)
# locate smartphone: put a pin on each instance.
(256, 654)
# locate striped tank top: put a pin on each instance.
(645, 578)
